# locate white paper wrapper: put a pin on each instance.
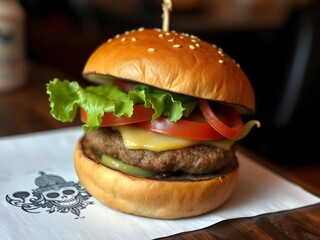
(37, 169)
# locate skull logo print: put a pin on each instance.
(53, 194)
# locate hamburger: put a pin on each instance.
(162, 117)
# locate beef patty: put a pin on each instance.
(198, 159)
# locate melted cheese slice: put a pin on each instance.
(136, 138)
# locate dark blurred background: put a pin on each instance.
(277, 43)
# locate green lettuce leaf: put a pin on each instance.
(171, 105)
(66, 97)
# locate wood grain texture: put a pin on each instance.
(296, 224)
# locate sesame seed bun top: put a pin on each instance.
(177, 62)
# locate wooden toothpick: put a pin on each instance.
(166, 8)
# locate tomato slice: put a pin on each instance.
(124, 85)
(140, 114)
(236, 124)
(183, 128)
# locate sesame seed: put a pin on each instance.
(109, 40)
(123, 39)
(126, 32)
(238, 65)
(176, 46)
(151, 50)
(193, 40)
(118, 35)
(197, 45)
(133, 39)
(161, 35)
(192, 47)
(221, 61)
(220, 53)
(181, 37)
(171, 40)
(167, 33)
(193, 36)
(213, 45)
(140, 29)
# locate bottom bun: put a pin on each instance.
(153, 198)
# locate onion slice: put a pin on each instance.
(231, 131)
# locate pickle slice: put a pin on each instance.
(125, 168)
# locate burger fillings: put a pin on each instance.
(161, 120)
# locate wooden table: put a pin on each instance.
(27, 110)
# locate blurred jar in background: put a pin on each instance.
(12, 52)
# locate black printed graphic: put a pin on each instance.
(53, 194)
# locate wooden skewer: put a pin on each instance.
(166, 8)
